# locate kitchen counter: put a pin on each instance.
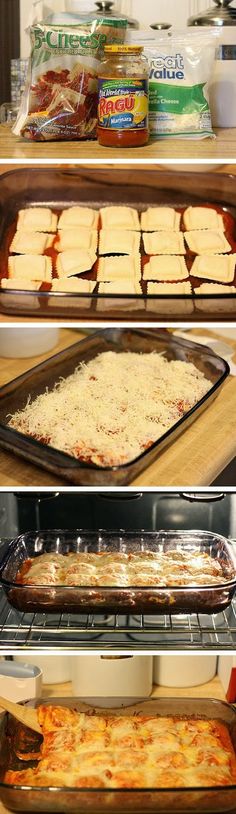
(211, 690)
(196, 458)
(222, 147)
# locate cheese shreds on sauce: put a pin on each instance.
(87, 750)
(113, 408)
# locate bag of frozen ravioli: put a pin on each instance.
(180, 71)
(61, 96)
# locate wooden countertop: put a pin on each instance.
(196, 458)
(211, 690)
(222, 147)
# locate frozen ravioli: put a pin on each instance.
(37, 219)
(76, 239)
(120, 217)
(78, 216)
(31, 243)
(160, 219)
(119, 242)
(202, 217)
(165, 268)
(120, 287)
(164, 243)
(214, 288)
(207, 242)
(30, 267)
(73, 284)
(119, 268)
(21, 285)
(220, 267)
(76, 261)
(169, 288)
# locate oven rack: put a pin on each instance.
(188, 632)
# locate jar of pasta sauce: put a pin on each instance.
(123, 97)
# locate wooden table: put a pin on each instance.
(213, 689)
(222, 147)
(196, 458)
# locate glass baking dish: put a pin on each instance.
(60, 188)
(14, 396)
(139, 599)
(180, 800)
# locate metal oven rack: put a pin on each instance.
(140, 632)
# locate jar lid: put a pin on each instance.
(123, 49)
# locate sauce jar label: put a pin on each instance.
(123, 104)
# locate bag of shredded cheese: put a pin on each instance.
(180, 70)
(61, 96)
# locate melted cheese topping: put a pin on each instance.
(85, 750)
(111, 409)
(119, 569)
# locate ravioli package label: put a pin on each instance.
(60, 99)
(180, 71)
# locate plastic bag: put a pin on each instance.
(61, 97)
(180, 70)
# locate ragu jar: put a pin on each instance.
(123, 97)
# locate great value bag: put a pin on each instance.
(180, 71)
(61, 95)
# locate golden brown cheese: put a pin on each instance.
(119, 569)
(137, 751)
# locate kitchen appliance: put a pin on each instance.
(54, 669)
(137, 632)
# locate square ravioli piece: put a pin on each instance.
(202, 217)
(75, 261)
(120, 287)
(220, 268)
(164, 243)
(78, 216)
(207, 242)
(160, 219)
(165, 268)
(30, 267)
(74, 285)
(31, 243)
(37, 219)
(21, 285)
(120, 217)
(119, 268)
(214, 288)
(119, 242)
(169, 288)
(76, 239)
